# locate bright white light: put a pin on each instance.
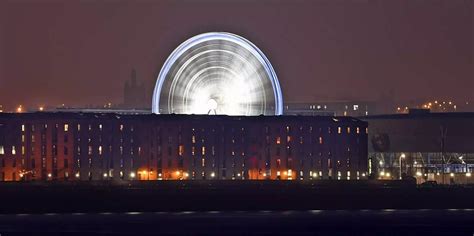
(418, 173)
(217, 73)
(132, 175)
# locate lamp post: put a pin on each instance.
(402, 156)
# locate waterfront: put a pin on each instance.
(310, 222)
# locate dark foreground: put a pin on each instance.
(174, 196)
(236, 208)
(315, 222)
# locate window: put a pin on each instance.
(339, 130)
(355, 107)
(13, 150)
(320, 140)
(181, 150)
(78, 127)
(22, 128)
(278, 140)
(121, 128)
(357, 130)
(2, 150)
(90, 150)
(203, 151)
(66, 127)
(100, 127)
(348, 130)
(100, 150)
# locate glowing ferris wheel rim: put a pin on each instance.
(260, 64)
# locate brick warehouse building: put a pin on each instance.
(105, 146)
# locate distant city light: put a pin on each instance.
(19, 109)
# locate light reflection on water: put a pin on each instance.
(261, 213)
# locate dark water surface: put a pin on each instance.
(315, 222)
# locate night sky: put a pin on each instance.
(80, 52)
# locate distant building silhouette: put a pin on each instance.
(134, 94)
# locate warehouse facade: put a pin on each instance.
(98, 146)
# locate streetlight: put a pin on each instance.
(400, 164)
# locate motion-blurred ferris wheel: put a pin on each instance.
(217, 73)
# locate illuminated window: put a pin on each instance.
(13, 150)
(2, 150)
(288, 129)
(23, 128)
(203, 162)
(90, 150)
(339, 130)
(366, 130)
(278, 140)
(193, 150)
(193, 139)
(90, 127)
(66, 127)
(355, 107)
(22, 138)
(278, 163)
(203, 151)
(288, 139)
(301, 140)
(100, 127)
(121, 127)
(78, 127)
(100, 150)
(22, 150)
(320, 140)
(357, 130)
(348, 130)
(181, 149)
